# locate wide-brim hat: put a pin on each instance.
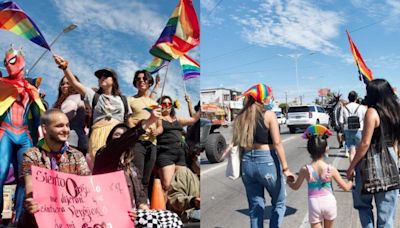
(106, 71)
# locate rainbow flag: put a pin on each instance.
(317, 130)
(150, 108)
(14, 19)
(190, 68)
(156, 64)
(181, 34)
(365, 74)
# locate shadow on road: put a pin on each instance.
(268, 210)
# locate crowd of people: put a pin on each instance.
(263, 162)
(91, 131)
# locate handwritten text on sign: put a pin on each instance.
(71, 201)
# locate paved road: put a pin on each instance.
(224, 201)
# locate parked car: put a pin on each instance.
(303, 116)
(281, 117)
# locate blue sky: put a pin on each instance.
(116, 34)
(246, 42)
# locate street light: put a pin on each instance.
(65, 30)
(296, 57)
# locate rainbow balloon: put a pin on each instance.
(14, 19)
(316, 129)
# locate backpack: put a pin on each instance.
(94, 102)
(353, 121)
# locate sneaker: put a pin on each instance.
(346, 154)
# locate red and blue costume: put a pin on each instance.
(20, 108)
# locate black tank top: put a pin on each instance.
(262, 134)
(376, 136)
(172, 133)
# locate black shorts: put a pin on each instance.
(167, 155)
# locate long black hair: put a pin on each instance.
(121, 125)
(380, 95)
(316, 146)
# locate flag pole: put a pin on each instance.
(165, 80)
(184, 86)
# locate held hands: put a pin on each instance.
(187, 99)
(350, 173)
(62, 63)
(31, 205)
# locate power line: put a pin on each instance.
(214, 7)
(227, 53)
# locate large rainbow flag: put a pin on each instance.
(156, 64)
(14, 19)
(364, 72)
(190, 68)
(181, 34)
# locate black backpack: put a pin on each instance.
(94, 102)
(353, 121)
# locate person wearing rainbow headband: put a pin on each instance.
(321, 201)
(263, 163)
(20, 108)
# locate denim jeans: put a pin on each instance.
(386, 203)
(261, 169)
(352, 138)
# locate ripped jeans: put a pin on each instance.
(261, 169)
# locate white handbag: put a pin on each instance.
(233, 167)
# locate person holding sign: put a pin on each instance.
(118, 154)
(52, 152)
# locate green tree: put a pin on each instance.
(284, 107)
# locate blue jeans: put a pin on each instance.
(261, 169)
(386, 203)
(352, 138)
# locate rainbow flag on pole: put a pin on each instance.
(14, 19)
(181, 33)
(190, 68)
(365, 74)
(156, 64)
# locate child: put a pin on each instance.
(321, 201)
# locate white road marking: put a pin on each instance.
(224, 163)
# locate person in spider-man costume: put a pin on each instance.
(20, 108)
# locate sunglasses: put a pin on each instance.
(166, 105)
(141, 79)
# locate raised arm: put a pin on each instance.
(63, 65)
(153, 94)
(190, 105)
(190, 120)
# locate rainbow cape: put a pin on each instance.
(365, 74)
(156, 64)
(316, 129)
(14, 19)
(181, 34)
(190, 68)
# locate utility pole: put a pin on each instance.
(286, 106)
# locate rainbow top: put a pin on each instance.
(316, 129)
(259, 92)
(14, 19)
(151, 108)
(364, 72)
(181, 33)
(190, 68)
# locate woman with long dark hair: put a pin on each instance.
(109, 107)
(256, 132)
(383, 110)
(71, 103)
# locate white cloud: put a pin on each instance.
(291, 24)
(129, 17)
(209, 13)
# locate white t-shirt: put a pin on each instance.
(344, 114)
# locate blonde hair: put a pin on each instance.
(245, 123)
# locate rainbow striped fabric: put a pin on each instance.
(259, 92)
(14, 19)
(190, 68)
(151, 108)
(181, 33)
(156, 65)
(316, 129)
(364, 72)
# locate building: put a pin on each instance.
(223, 98)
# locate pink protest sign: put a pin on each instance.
(67, 200)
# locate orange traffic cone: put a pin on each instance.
(157, 196)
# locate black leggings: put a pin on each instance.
(144, 159)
